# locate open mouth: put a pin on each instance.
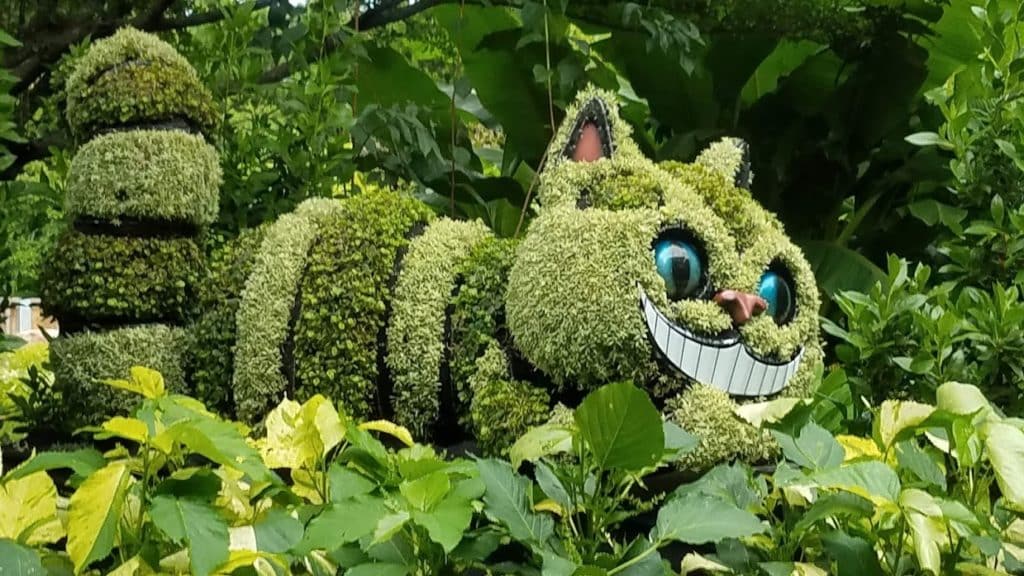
(722, 362)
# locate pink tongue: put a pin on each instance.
(588, 148)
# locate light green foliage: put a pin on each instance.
(268, 301)
(96, 277)
(478, 312)
(145, 174)
(572, 294)
(210, 359)
(415, 335)
(707, 413)
(82, 361)
(345, 294)
(502, 409)
(134, 77)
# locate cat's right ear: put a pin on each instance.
(591, 136)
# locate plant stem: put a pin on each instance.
(654, 548)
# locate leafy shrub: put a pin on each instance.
(132, 78)
(501, 409)
(82, 361)
(27, 400)
(210, 359)
(145, 174)
(100, 277)
(345, 297)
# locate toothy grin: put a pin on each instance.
(724, 363)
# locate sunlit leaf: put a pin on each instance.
(93, 513)
(28, 510)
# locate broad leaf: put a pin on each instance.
(621, 426)
(960, 398)
(842, 504)
(427, 490)
(378, 569)
(300, 435)
(540, 441)
(28, 510)
(346, 483)
(870, 478)
(508, 501)
(838, 268)
(93, 513)
(17, 560)
(391, 429)
(447, 522)
(341, 523)
(700, 519)
(143, 381)
(196, 524)
(552, 486)
(814, 448)
(127, 428)
(853, 556)
(894, 417)
(1005, 446)
(389, 525)
(83, 462)
(757, 413)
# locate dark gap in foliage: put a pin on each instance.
(135, 227)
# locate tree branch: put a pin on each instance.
(199, 18)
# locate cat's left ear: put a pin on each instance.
(730, 157)
(591, 135)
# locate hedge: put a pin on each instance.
(345, 296)
(210, 361)
(165, 175)
(478, 313)
(96, 277)
(81, 362)
(133, 77)
(415, 335)
(265, 313)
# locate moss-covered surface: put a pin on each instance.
(92, 277)
(478, 313)
(415, 335)
(502, 409)
(81, 362)
(163, 175)
(345, 295)
(265, 312)
(210, 361)
(132, 78)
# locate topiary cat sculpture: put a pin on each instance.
(671, 276)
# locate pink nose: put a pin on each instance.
(740, 305)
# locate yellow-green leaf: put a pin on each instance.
(857, 447)
(28, 510)
(300, 435)
(758, 413)
(143, 381)
(134, 566)
(128, 428)
(93, 514)
(1005, 446)
(390, 428)
(895, 416)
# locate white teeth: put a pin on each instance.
(726, 365)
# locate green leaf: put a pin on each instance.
(853, 556)
(621, 426)
(143, 381)
(389, 525)
(277, 532)
(508, 500)
(929, 139)
(540, 441)
(784, 59)
(551, 485)
(28, 510)
(700, 519)
(93, 513)
(960, 398)
(341, 523)
(842, 504)
(8, 40)
(732, 483)
(427, 490)
(677, 441)
(346, 483)
(933, 212)
(757, 413)
(127, 428)
(17, 560)
(895, 416)
(927, 530)
(447, 522)
(218, 441)
(913, 458)
(838, 268)
(814, 449)
(871, 479)
(378, 569)
(83, 462)
(196, 524)
(1005, 446)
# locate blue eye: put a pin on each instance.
(777, 292)
(681, 267)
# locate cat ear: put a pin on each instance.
(730, 157)
(591, 135)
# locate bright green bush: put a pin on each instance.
(145, 174)
(210, 361)
(415, 335)
(265, 313)
(502, 409)
(95, 277)
(82, 361)
(132, 78)
(345, 296)
(478, 313)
